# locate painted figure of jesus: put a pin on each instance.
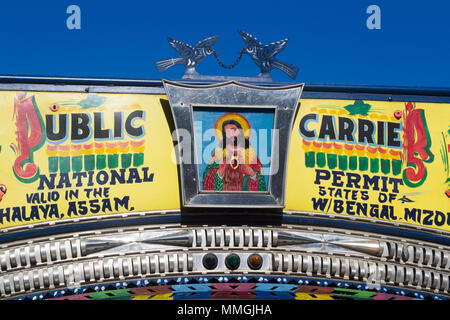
(234, 165)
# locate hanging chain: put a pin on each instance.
(231, 66)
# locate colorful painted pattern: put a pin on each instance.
(346, 156)
(233, 288)
(99, 156)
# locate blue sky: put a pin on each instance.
(329, 40)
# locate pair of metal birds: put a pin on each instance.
(262, 55)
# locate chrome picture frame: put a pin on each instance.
(184, 97)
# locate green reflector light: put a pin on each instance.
(232, 261)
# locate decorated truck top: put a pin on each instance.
(69, 154)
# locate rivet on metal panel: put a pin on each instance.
(190, 262)
(102, 267)
(275, 261)
(408, 253)
(53, 252)
(32, 256)
(48, 252)
(67, 250)
(399, 275)
(418, 254)
(345, 268)
(96, 267)
(45, 277)
(391, 249)
(161, 263)
(308, 265)
(2, 286)
(74, 245)
(373, 275)
(90, 266)
(409, 276)
(247, 234)
(217, 237)
(27, 256)
(265, 237)
(198, 238)
(398, 252)
(253, 241)
(67, 275)
(144, 262)
(61, 249)
(435, 280)
(109, 268)
(363, 270)
(36, 280)
(26, 281)
(152, 259)
(16, 282)
(82, 245)
(227, 237)
(445, 260)
(436, 260)
(116, 271)
(7, 285)
(167, 262)
(427, 256)
(85, 271)
(238, 235)
(208, 233)
(274, 240)
(445, 283)
(126, 267)
(3, 265)
(295, 262)
(61, 275)
(390, 274)
(335, 266)
(43, 253)
(136, 265)
(180, 263)
(38, 253)
(171, 262)
(326, 261)
(284, 262)
(354, 270)
(316, 264)
(23, 256)
(57, 280)
(403, 253)
(12, 259)
(257, 235)
(418, 276)
(426, 279)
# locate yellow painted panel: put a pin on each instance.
(396, 168)
(74, 155)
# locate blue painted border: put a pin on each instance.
(177, 219)
(310, 91)
(262, 280)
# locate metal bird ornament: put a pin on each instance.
(190, 56)
(264, 56)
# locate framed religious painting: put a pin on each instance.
(232, 142)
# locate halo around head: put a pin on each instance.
(232, 116)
